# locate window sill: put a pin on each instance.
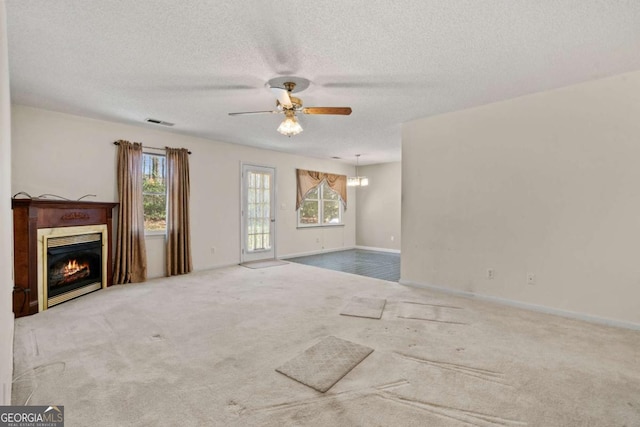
(319, 226)
(155, 234)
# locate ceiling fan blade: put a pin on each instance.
(343, 111)
(254, 112)
(283, 96)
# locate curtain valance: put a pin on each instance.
(308, 180)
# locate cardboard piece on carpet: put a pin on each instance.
(365, 307)
(325, 363)
(263, 263)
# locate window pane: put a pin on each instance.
(153, 172)
(154, 192)
(309, 212)
(331, 212)
(155, 211)
(312, 194)
(328, 193)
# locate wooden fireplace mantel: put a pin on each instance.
(31, 214)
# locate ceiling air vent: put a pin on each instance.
(159, 122)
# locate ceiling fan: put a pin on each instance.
(290, 105)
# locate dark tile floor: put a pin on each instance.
(379, 265)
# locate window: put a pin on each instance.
(154, 192)
(320, 206)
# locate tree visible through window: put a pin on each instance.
(321, 206)
(154, 192)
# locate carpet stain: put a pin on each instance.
(234, 407)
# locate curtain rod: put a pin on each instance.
(148, 146)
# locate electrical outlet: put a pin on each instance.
(531, 279)
(393, 238)
(317, 240)
(491, 273)
(213, 250)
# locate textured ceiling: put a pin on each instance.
(191, 62)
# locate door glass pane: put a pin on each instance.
(259, 212)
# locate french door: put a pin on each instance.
(258, 213)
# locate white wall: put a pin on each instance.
(72, 156)
(6, 221)
(546, 184)
(378, 216)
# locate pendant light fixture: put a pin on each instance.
(357, 181)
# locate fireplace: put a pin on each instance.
(62, 250)
(72, 261)
(73, 267)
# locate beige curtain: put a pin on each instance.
(308, 180)
(131, 255)
(178, 228)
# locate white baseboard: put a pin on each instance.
(322, 251)
(369, 248)
(217, 266)
(526, 306)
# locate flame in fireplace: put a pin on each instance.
(72, 267)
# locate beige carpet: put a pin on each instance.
(202, 349)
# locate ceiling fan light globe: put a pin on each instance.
(364, 181)
(290, 126)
